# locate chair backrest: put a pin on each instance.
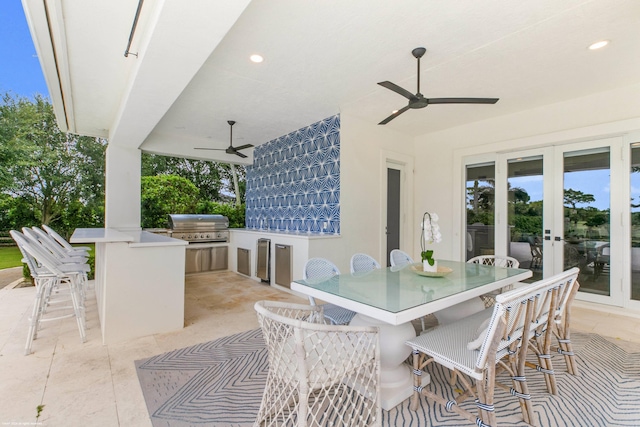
(564, 301)
(499, 261)
(36, 240)
(320, 357)
(34, 267)
(47, 241)
(319, 268)
(399, 258)
(58, 238)
(361, 263)
(522, 312)
(536, 249)
(44, 261)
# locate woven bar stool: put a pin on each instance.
(56, 284)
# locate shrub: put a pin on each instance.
(163, 195)
(235, 214)
(528, 224)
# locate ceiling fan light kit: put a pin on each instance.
(230, 149)
(418, 100)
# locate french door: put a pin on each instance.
(553, 208)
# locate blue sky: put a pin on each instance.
(594, 182)
(20, 71)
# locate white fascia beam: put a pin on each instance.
(47, 27)
(178, 40)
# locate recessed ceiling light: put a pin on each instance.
(598, 45)
(394, 111)
(256, 58)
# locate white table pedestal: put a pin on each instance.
(396, 377)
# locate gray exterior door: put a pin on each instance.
(393, 211)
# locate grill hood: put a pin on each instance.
(196, 222)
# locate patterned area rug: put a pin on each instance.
(220, 383)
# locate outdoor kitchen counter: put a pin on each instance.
(95, 235)
(139, 282)
(299, 247)
(134, 238)
(294, 234)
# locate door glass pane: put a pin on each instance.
(525, 202)
(480, 210)
(635, 221)
(586, 218)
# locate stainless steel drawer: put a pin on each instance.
(283, 265)
(263, 260)
(244, 261)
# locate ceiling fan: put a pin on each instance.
(230, 149)
(419, 101)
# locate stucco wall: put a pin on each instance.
(363, 148)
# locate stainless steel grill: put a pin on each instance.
(199, 228)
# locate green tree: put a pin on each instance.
(216, 182)
(597, 219)
(45, 168)
(163, 195)
(573, 197)
(236, 214)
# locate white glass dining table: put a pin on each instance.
(391, 298)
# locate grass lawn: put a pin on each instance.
(10, 256)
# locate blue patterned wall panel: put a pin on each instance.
(294, 183)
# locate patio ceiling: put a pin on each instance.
(192, 72)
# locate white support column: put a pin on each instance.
(122, 188)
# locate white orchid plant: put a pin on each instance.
(430, 234)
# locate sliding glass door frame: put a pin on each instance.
(553, 209)
(503, 239)
(628, 141)
(618, 205)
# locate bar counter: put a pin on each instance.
(139, 282)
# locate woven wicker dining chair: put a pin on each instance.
(319, 374)
(321, 269)
(540, 341)
(399, 258)
(562, 327)
(476, 347)
(362, 263)
(500, 261)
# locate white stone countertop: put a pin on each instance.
(134, 238)
(99, 235)
(146, 239)
(301, 235)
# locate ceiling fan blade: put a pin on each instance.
(463, 100)
(397, 89)
(242, 147)
(394, 115)
(241, 155)
(215, 149)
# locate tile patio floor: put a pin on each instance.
(94, 385)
